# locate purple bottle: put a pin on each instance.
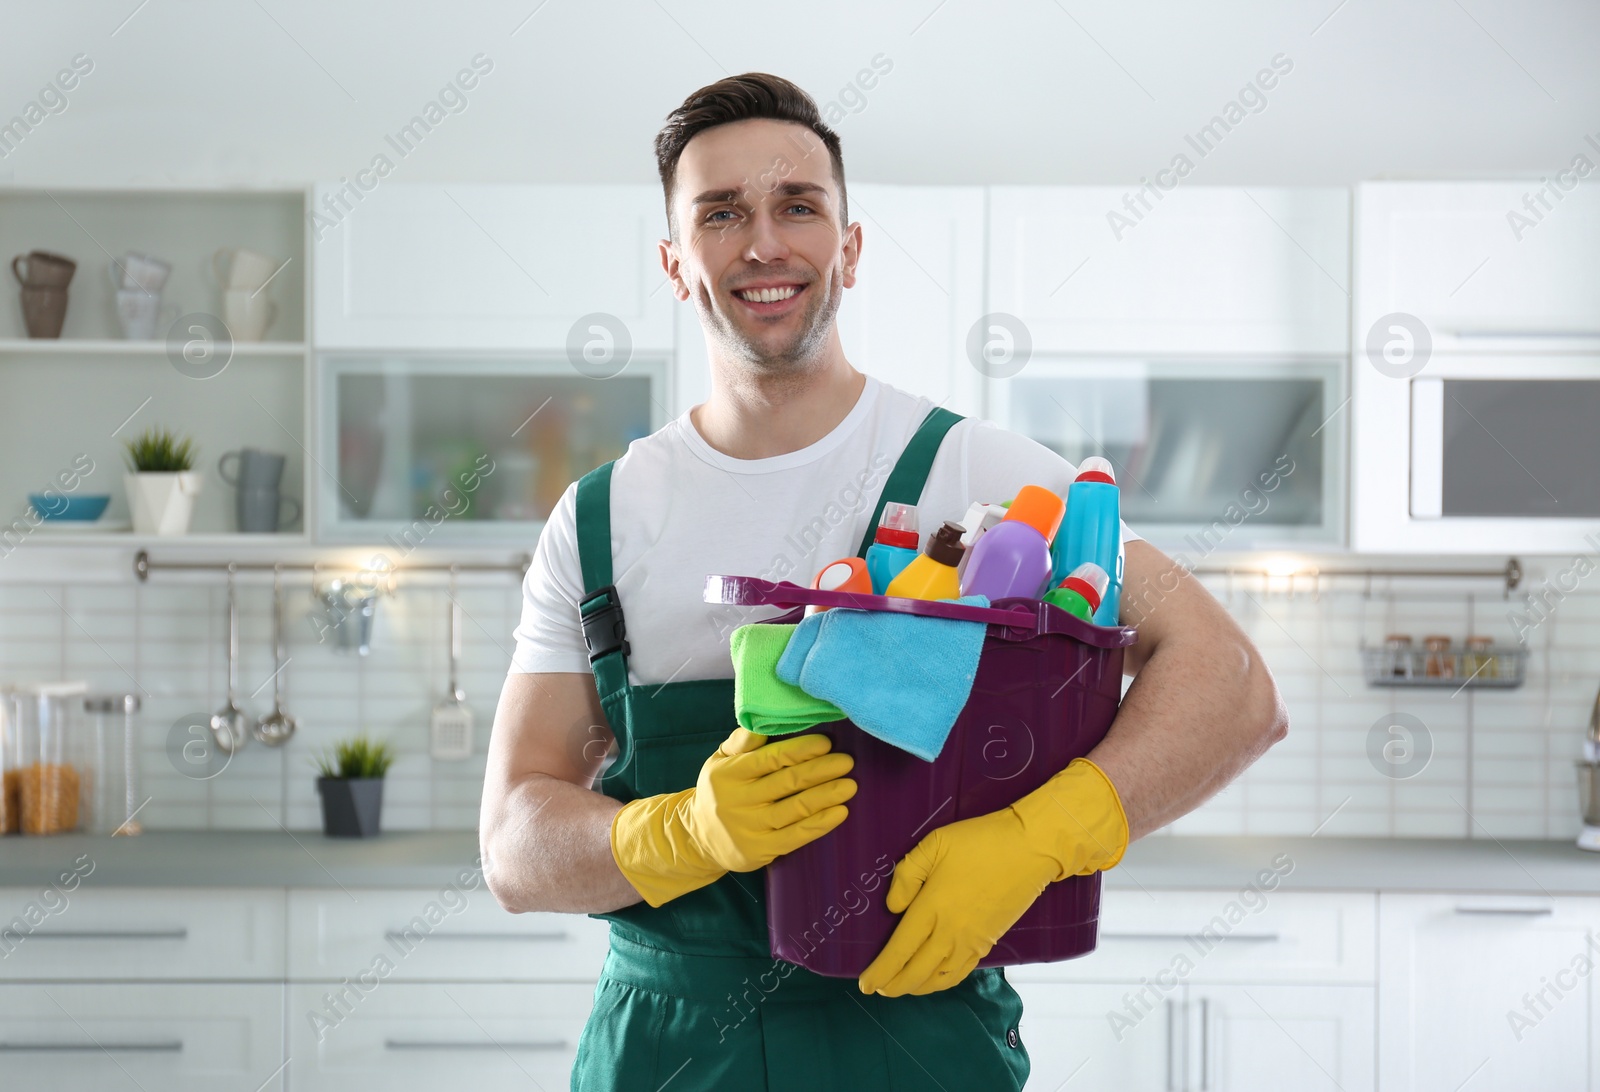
(1013, 557)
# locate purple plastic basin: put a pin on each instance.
(1047, 688)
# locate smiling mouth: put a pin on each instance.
(767, 296)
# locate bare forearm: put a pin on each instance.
(1197, 715)
(549, 848)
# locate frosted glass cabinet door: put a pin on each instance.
(1209, 456)
(442, 449)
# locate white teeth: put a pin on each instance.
(768, 295)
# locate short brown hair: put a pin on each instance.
(740, 98)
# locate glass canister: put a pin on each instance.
(114, 804)
(57, 770)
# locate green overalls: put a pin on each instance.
(690, 996)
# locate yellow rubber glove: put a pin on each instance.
(754, 801)
(965, 884)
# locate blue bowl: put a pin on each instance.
(70, 507)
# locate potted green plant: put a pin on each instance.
(161, 482)
(351, 786)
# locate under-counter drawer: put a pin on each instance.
(431, 935)
(395, 1037)
(141, 933)
(167, 1036)
(1226, 936)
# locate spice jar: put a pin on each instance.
(1440, 662)
(1479, 661)
(57, 763)
(1397, 655)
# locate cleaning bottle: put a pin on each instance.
(1013, 558)
(1080, 594)
(933, 574)
(894, 545)
(979, 518)
(848, 574)
(1093, 532)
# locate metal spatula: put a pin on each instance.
(451, 733)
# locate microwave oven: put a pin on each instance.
(1496, 453)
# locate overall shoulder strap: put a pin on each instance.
(910, 473)
(599, 609)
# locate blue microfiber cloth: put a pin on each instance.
(901, 677)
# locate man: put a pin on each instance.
(760, 241)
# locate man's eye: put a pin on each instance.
(711, 217)
(803, 208)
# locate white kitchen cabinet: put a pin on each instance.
(919, 290)
(169, 1036)
(1288, 937)
(1484, 992)
(1073, 1041)
(1203, 270)
(1503, 266)
(447, 935)
(146, 933)
(1268, 1037)
(490, 266)
(400, 1037)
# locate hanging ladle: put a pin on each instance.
(276, 727)
(230, 727)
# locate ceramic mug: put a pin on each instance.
(259, 509)
(247, 269)
(247, 313)
(45, 270)
(256, 469)
(135, 270)
(139, 313)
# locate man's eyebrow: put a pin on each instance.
(787, 189)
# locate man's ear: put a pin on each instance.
(670, 266)
(851, 253)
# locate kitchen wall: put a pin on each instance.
(1500, 765)
(925, 93)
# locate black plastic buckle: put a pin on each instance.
(603, 628)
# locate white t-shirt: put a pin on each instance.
(681, 510)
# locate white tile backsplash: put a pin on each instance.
(1500, 765)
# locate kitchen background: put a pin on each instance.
(1354, 240)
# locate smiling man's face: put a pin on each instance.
(759, 247)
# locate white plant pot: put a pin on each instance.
(162, 503)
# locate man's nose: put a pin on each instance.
(765, 241)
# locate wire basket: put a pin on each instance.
(1502, 667)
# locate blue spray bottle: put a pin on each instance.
(1092, 531)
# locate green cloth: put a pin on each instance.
(762, 702)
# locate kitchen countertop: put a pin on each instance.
(437, 858)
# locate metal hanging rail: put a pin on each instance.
(143, 566)
(1510, 575)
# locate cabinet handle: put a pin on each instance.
(99, 934)
(1170, 1051)
(1205, 1044)
(399, 934)
(1514, 911)
(1204, 937)
(450, 1044)
(164, 1047)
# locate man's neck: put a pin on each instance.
(756, 417)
